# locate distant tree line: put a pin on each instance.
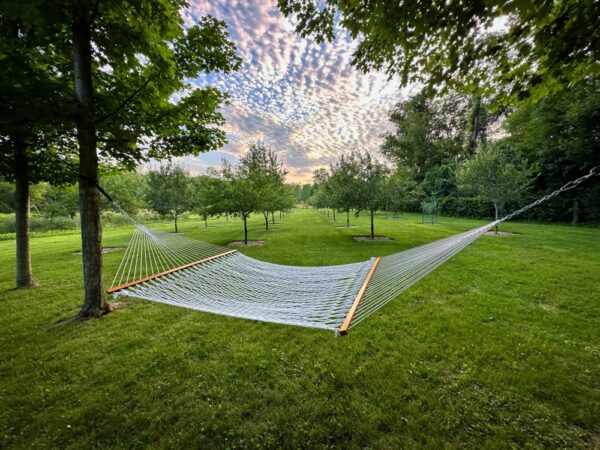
(458, 154)
(255, 185)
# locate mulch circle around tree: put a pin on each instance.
(243, 244)
(501, 234)
(368, 238)
(104, 250)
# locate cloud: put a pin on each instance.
(303, 98)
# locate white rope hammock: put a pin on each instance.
(173, 269)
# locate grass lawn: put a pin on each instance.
(499, 348)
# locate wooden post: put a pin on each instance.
(167, 272)
(348, 320)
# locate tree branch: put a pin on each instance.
(126, 101)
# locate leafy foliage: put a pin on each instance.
(261, 166)
(343, 183)
(429, 133)
(561, 136)
(35, 114)
(512, 50)
(169, 191)
(128, 189)
(205, 196)
(496, 175)
(240, 195)
(59, 201)
(371, 186)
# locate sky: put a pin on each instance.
(303, 99)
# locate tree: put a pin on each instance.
(343, 184)
(321, 195)
(439, 181)
(496, 175)
(127, 189)
(371, 186)
(128, 60)
(542, 48)
(33, 122)
(285, 200)
(169, 191)
(429, 133)
(205, 196)
(59, 201)
(560, 136)
(262, 167)
(399, 190)
(240, 194)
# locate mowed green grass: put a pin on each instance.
(498, 348)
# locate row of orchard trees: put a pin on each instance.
(255, 185)
(359, 182)
(469, 159)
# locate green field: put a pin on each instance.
(498, 348)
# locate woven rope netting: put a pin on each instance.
(173, 269)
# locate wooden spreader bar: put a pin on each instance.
(167, 272)
(348, 320)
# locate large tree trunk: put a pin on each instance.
(24, 275)
(245, 231)
(266, 216)
(372, 224)
(94, 303)
(175, 216)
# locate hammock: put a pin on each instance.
(176, 270)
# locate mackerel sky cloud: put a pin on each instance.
(303, 99)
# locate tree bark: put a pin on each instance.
(266, 216)
(333, 209)
(575, 211)
(347, 218)
(94, 304)
(273, 217)
(175, 216)
(372, 225)
(245, 231)
(206, 222)
(24, 274)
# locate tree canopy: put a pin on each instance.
(169, 191)
(261, 166)
(496, 175)
(511, 50)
